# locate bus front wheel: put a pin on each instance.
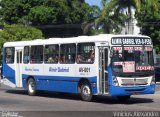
(86, 93)
(31, 87)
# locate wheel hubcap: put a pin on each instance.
(86, 90)
(31, 87)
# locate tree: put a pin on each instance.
(106, 20)
(40, 12)
(89, 24)
(128, 5)
(41, 15)
(18, 33)
(115, 13)
(149, 21)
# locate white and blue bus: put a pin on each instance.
(114, 65)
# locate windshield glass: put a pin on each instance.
(132, 59)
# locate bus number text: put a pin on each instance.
(84, 69)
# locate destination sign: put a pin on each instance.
(130, 41)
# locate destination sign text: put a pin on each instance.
(131, 41)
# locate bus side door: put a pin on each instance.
(103, 70)
(18, 65)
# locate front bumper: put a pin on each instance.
(122, 91)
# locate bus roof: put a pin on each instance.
(79, 39)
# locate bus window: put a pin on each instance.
(67, 53)
(36, 54)
(51, 53)
(85, 53)
(9, 55)
(26, 55)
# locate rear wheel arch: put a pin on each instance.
(81, 81)
(29, 77)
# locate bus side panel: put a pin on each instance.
(59, 86)
(9, 72)
(93, 82)
(60, 83)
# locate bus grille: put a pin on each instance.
(134, 82)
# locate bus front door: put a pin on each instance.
(103, 71)
(18, 71)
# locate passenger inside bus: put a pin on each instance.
(8, 59)
(117, 57)
(63, 59)
(91, 58)
(50, 60)
(26, 59)
(32, 60)
(78, 59)
(56, 59)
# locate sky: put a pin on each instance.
(94, 2)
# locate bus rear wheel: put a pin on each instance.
(86, 92)
(31, 87)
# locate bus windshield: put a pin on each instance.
(132, 60)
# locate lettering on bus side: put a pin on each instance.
(84, 69)
(32, 69)
(58, 69)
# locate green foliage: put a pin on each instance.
(40, 12)
(79, 12)
(105, 19)
(149, 21)
(18, 33)
(113, 16)
(96, 32)
(41, 15)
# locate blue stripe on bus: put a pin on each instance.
(9, 73)
(60, 83)
(110, 75)
(62, 78)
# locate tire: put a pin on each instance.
(86, 92)
(123, 98)
(31, 87)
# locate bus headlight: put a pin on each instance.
(153, 81)
(115, 81)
